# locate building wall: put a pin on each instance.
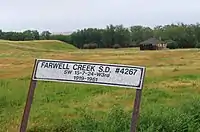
(153, 47)
(162, 46)
(148, 47)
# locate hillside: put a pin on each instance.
(36, 44)
(20, 54)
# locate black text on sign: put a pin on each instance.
(90, 73)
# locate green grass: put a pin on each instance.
(36, 45)
(81, 108)
(170, 98)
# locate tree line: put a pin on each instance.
(25, 36)
(114, 36)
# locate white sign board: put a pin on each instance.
(89, 73)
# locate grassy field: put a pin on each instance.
(170, 99)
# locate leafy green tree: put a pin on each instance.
(108, 36)
(28, 35)
(179, 35)
(45, 35)
(1, 34)
(122, 36)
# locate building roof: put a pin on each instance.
(151, 41)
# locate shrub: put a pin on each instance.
(172, 44)
(90, 46)
(133, 45)
(197, 45)
(116, 46)
(85, 46)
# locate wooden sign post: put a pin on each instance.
(88, 73)
(136, 109)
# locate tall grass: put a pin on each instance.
(61, 107)
(157, 119)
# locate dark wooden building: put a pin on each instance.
(152, 44)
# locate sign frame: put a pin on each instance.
(85, 82)
(33, 83)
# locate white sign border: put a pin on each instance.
(143, 70)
